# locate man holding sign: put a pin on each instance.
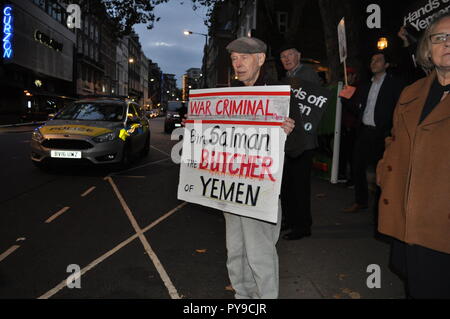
(238, 180)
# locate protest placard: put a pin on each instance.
(342, 41)
(312, 101)
(233, 149)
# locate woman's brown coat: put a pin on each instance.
(414, 174)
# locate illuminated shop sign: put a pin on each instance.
(46, 40)
(7, 32)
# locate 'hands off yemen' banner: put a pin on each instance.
(312, 100)
(422, 12)
(233, 149)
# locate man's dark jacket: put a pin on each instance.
(386, 101)
(296, 141)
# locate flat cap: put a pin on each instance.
(247, 45)
(287, 46)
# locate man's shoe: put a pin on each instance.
(354, 208)
(294, 235)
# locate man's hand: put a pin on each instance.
(402, 35)
(288, 125)
(183, 120)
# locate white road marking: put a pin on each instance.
(108, 254)
(9, 252)
(88, 191)
(160, 151)
(159, 267)
(133, 168)
(56, 215)
(128, 176)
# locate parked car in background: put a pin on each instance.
(93, 130)
(175, 112)
(152, 113)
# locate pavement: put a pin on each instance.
(338, 260)
(19, 128)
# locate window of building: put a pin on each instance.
(40, 3)
(80, 43)
(59, 15)
(55, 11)
(86, 25)
(91, 33)
(49, 7)
(282, 20)
(86, 47)
(96, 34)
(91, 51)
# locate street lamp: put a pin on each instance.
(382, 43)
(205, 71)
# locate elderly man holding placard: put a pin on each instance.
(252, 257)
(255, 123)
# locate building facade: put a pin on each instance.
(36, 68)
(134, 73)
(154, 84)
(122, 61)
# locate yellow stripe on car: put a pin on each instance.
(74, 129)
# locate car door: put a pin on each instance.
(135, 128)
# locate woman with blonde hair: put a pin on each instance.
(414, 173)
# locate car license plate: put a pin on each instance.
(65, 154)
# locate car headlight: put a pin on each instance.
(37, 136)
(176, 115)
(105, 137)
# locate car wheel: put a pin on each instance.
(146, 148)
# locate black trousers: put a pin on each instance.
(368, 150)
(348, 138)
(296, 192)
(426, 272)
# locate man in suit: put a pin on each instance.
(376, 100)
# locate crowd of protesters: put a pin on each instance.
(398, 125)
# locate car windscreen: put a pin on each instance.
(113, 112)
(174, 106)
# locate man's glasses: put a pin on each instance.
(439, 38)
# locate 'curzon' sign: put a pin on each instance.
(7, 32)
(46, 40)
